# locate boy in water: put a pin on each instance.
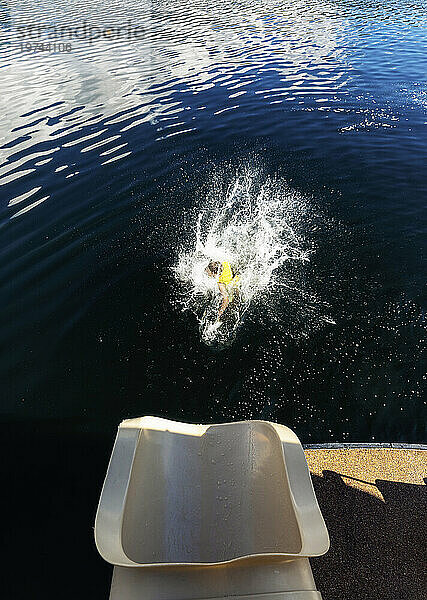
(227, 282)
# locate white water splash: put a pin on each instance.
(257, 227)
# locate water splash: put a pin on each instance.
(257, 225)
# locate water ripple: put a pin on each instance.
(102, 101)
(134, 72)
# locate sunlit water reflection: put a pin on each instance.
(109, 146)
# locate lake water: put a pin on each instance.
(124, 126)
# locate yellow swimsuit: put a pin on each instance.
(231, 281)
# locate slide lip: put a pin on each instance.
(249, 558)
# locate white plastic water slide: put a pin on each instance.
(190, 512)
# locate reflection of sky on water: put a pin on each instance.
(106, 150)
(196, 62)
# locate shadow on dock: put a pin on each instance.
(378, 548)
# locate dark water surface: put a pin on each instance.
(108, 151)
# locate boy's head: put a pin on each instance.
(213, 268)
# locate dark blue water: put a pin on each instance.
(111, 136)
